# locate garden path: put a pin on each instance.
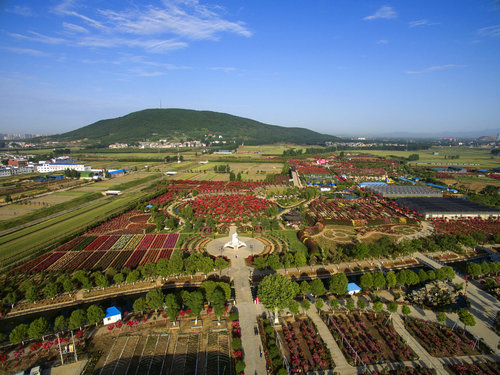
(425, 358)
(341, 364)
(240, 273)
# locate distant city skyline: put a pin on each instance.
(337, 67)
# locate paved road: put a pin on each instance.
(248, 310)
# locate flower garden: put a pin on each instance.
(304, 349)
(228, 208)
(358, 212)
(369, 339)
(478, 368)
(441, 341)
(467, 226)
(102, 252)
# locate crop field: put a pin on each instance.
(269, 149)
(50, 230)
(479, 156)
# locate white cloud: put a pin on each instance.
(435, 68)
(383, 41)
(188, 19)
(152, 45)
(223, 68)
(25, 51)
(37, 37)
(72, 28)
(21, 10)
(422, 22)
(385, 12)
(490, 31)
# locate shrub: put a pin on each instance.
(240, 366)
(236, 343)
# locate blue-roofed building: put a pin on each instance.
(353, 288)
(113, 315)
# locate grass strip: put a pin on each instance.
(44, 212)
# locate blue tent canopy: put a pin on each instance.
(112, 311)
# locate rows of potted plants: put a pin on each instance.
(470, 225)
(441, 341)
(370, 338)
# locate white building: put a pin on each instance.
(113, 315)
(51, 167)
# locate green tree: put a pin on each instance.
(467, 318)
(154, 299)
(349, 304)
(366, 281)
(293, 307)
(38, 328)
(101, 281)
(275, 291)
(318, 302)
(50, 290)
(95, 314)
(377, 307)
(60, 323)
(32, 294)
(195, 303)
(334, 303)
(300, 259)
(422, 275)
(406, 310)
(473, 269)
(317, 287)
(361, 304)
(218, 301)
(441, 317)
(220, 263)
(133, 277)
(140, 305)
(391, 279)
(305, 304)
(119, 278)
(68, 285)
(11, 298)
(440, 274)
(338, 283)
(392, 307)
(77, 319)
(172, 306)
(176, 263)
(18, 334)
(378, 279)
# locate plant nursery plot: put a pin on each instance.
(303, 347)
(135, 258)
(120, 260)
(441, 341)
(477, 368)
(367, 338)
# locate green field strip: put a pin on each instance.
(59, 227)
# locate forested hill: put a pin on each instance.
(183, 124)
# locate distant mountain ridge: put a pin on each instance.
(183, 124)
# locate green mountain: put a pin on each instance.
(183, 124)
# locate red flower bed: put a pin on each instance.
(97, 243)
(69, 245)
(467, 226)
(135, 258)
(228, 208)
(116, 224)
(146, 242)
(52, 258)
(171, 241)
(159, 241)
(150, 256)
(32, 263)
(369, 336)
(441, 341)
(369, 209)
(165, 253)
(109, 243)
(77, 261)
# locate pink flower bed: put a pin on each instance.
(146, 242)
(165, 253)
(171, 241)
(150, 256)
(159, 241)
(94, 245)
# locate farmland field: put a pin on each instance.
(37, 235)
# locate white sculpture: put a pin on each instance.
(235, 242)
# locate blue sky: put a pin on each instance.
(334, 66)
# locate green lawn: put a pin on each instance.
(291, 236)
